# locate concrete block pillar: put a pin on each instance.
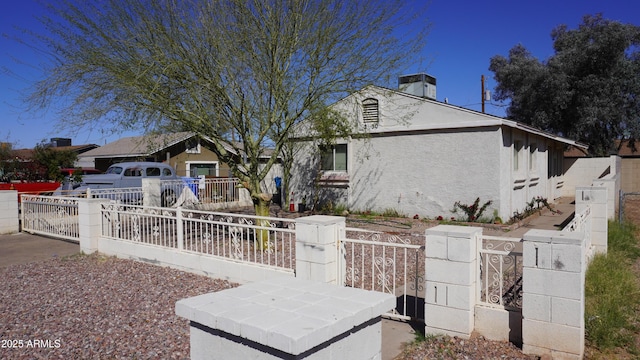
(451, 268)
(317, 254)
(553, 297)
(151, 192)
(9, 212)
(597, 199)
(90, 224)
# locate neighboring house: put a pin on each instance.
(186, 152)
(415, 155)
(189, 154)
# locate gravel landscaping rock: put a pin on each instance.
(95, 307)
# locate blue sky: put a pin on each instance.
(464, 36)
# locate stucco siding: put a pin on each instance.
(425, 174)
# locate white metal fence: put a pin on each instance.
(386, 263)
(50, 215)
(500, 272)
(262, 241)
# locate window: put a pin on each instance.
(153, 171)
(334, 158)
(517, 145)
(206, 168)
(532, 156)
(133, 172)
(192, 146)
(370, 113)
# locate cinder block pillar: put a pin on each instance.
(90, 224)
(553, 297)
(151, 192)
(9, 212)
(317, 253)
(451, 268)
(597, 199)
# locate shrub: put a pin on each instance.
(473, 211)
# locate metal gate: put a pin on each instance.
(389, 263)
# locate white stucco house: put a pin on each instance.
(415, 155)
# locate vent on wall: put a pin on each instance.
(422, 85)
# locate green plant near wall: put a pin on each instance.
(473, 211)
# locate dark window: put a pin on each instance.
(334, 158)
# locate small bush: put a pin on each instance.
(474, 211)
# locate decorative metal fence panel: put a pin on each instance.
(214, 190)
(50, 215)
(257, 240)
(131, 195)
(501, 272)
(387, 263)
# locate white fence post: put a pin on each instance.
(90, 224)
(179, 229)
(596, 198)
(553, 293)
(9, 212)
(317, 255)
(451, 267)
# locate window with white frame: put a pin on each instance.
(206, 168)
(334, 158)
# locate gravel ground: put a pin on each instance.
(94, 307)
(445, 347)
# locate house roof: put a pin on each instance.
(146, 145)
(27, 154)
(625, 149)
(475, 119)
(138, 145)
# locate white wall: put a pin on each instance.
(425, 174)
(580, 172)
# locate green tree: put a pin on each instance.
(53, 159)
(588, 90)
(232, 69)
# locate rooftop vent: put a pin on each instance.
(422, 85)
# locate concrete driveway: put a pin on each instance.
(23, 248)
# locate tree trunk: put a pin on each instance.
(261, 204)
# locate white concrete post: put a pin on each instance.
(9, 212)
(317, 253)
(553, 293)
(90, 224)
(596, 198)
(286, 318)
(151, 194)
(451, 267)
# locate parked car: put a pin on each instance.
(72, 177)
(130, 175)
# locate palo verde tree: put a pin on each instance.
(243, 70)
(588, 90)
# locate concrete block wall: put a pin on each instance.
(597, 199)
(317, 256)
(553, 296)
(451, 279)
(9, 214)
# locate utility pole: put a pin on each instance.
(482, 91)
